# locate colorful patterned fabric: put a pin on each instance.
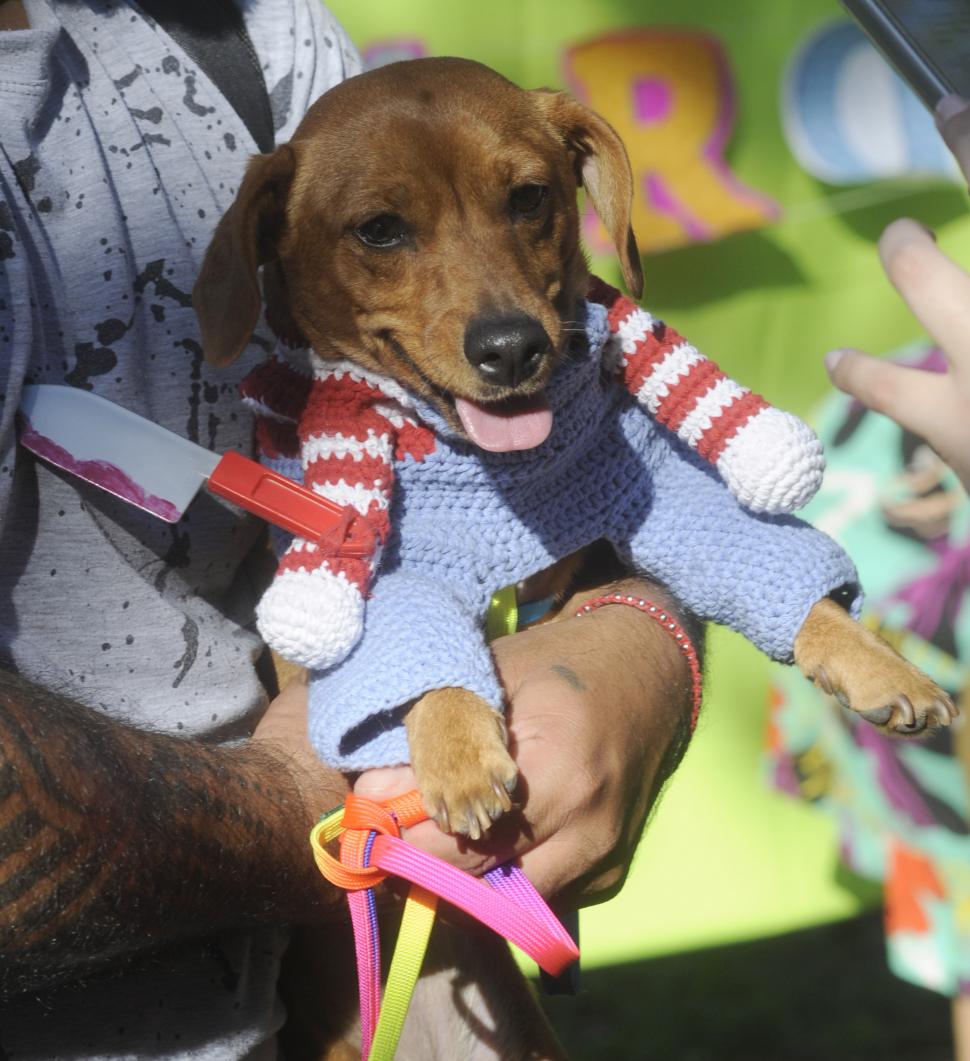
(901, 807)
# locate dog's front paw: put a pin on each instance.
(461, 761)
(900, 699)
(867, 675)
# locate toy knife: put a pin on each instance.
(160, 472)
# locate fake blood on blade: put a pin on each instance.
(516, 424)
(99, 472)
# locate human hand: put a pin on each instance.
(935, 406)
(598, 715)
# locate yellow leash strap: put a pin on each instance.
(412, 942)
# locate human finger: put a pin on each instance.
(910, 396)
(385, 782)
(934, 287)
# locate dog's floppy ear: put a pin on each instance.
(226, 295)
(603, 168)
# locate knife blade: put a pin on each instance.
(161, 472)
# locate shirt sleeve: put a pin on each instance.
(18, 325)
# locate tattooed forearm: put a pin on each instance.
(113, 840)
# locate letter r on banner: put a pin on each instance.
(669, 95)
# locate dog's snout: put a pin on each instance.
(506, 351)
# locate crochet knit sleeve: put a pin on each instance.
(313, 612)
(418, 635)
(758, 574)
(770, 459)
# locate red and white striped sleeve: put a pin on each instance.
(313, 612)
(770, 460)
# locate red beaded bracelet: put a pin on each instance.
(673, 628)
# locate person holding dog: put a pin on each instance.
(153, 809)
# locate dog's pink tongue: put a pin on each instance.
(505, 427)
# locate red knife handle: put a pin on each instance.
(279, 500)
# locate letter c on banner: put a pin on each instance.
(669, 95)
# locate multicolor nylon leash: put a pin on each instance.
(371, 849)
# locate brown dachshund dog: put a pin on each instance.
(423, 224)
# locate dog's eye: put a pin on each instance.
(385, 230)
(527, 200)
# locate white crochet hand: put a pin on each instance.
(774, 464)
(770, 460)
(313, 618)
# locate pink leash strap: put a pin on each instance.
(516, 912)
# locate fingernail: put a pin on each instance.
(950, 106)
(832, 359)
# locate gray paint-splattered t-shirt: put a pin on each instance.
(117, 157)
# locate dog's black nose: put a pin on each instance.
(506, 351)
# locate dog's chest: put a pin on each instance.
(490, 518)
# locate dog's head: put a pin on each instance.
(423, 223)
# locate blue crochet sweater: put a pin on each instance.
(465, 522)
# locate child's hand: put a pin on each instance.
(599, 707)
(936, 406)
